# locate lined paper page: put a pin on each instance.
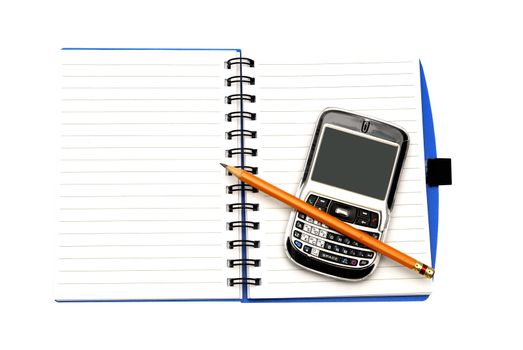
(291, 97)
(142, 196)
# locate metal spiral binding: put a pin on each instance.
(248, 224)
(241, 134)
(246, 150)
(252, 281)
(239, 60)
(251, 169)
(251, 206)
(239, 79)
(239, 187)
(241, 262)
(238, 114)
(243, 242)
(240, 97)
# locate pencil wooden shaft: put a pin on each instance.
(331, 221)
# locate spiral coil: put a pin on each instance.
(241, 134)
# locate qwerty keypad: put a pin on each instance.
(319, 241)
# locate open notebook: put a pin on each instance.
(147, 212)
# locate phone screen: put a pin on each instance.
(354, 163)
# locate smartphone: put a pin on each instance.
(352, 172)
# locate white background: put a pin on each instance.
(473, 65)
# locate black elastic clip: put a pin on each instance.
(438, 172)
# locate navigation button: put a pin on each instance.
(343, 212)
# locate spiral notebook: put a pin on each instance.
(146, 211)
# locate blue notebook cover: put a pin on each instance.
(432, 201)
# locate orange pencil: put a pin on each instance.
(331, 221)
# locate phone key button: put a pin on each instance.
(331, 236)
(362, 222)
(339, 238)
(312, 199)
(375, 235)
(315, 231)
(323, 233)
(307, 228)
(307, 249)
(373, 220)
(305, 237)
(302, 216)
(364, 262)
(313, 240)
(322, 202)
(320, 243)
(297, 234)
(328, 256)
(299, 225)
(315, 251)
(369, 255)
(363, 213)
(298, 244)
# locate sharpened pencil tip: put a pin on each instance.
(224, 165)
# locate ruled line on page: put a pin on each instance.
(333, 75)
(141, 257)
(130, 159)
(140, 88)
(139, 183)
(140, 64)
(334, 86)
(140, 147)
(140, 76)
(137, 171)
(135, 208)
(144, 270)
(139, 245)
(130, 283)
(140, 233)
(137, 196)
(89, 99)
(145, 123)
(332, 63)
(140, 111)
(145, 135)
(337, 98)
